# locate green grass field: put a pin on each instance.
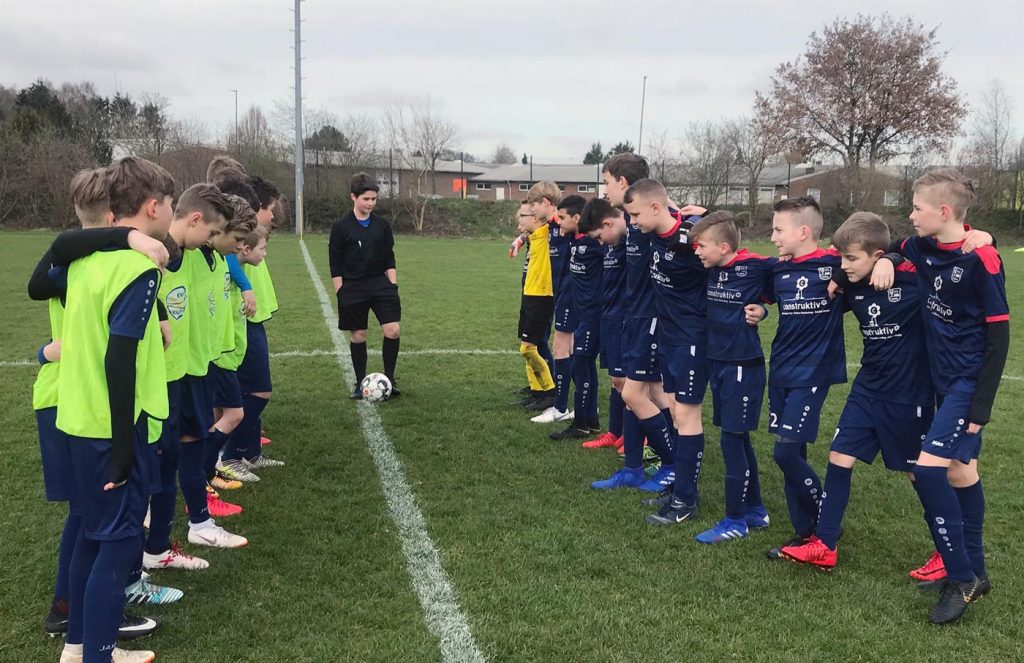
(542, 567)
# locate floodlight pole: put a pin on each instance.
(643, 103)
(299, 158)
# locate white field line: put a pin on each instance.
(444, 617)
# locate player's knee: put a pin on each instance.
(961, 475)
(390, 330)
(265, 395)
(230, 419)
(840, 459)
(357, 336)
(618, 383)
(785, 451)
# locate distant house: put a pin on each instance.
(513, 182)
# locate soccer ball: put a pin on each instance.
(376, 387)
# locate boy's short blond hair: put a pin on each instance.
(252, 240)
(134, 180)
(544, 190)
(863, 229)
(222, 163)
(718, 226)
(947, 186)
(89, 192)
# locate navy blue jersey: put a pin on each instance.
(586, 267)
(961, 293)
(745, 280)
(894, 365)
(808, 349)
(639, 289)
(559, 247)
(680, 285)
(613, 282)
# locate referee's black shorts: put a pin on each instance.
(535, 318)
(357, 298)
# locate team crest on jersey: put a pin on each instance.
(824, 273)
(958, 273)
(895, 294)
(227, 286)
(177, 300)
(582, 250)
(669, 255)
(741, 270)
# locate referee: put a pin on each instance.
(362, 254)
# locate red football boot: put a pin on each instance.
(814, 552)
(601, 441)
(933, 569)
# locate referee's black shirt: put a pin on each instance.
(358, 253)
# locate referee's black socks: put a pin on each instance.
(358, 351)
(390, 352)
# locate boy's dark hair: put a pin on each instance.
(572, 205)
(361, 183)
(244, 218)
(720, 226)
(594, 213)
(807, 209)
(646, 188)
(797, 204)
(223, 163)
(206, 199)
(231, 184)
(626, 164)
(863, 229)
(266, 191)
(89, 192)
(132, 181)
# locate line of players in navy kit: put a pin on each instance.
(670, 302)
(156, 376)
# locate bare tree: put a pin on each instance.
(706, 162)
(255, 143)
(419, 137)
(663, 156)
(753, 142)
(504, 155)
(989, 151)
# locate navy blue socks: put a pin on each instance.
(834, 499)
(563, 373)
(688, 457)
(802, 486)
(192, 479)
(972, 507)
(616, 409)
(945, 520)
(632, 440)
(736, 474)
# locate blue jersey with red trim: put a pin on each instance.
(808, 349)
(613, 282)
(894, 364)
(559, 248)
(680, 282)
(586, 267)
(745, 280)
(639, 289)
(961, 293)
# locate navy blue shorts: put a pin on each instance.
(195, 417)
(684, 371)
(118, 513)
(254, 373)
(737, 393)
(225, 392)
(640, 349)
(58, 477)
(795, 412)
(948, 437)
(611, 348)
(869, 425)
(586, 339)
(565, 321)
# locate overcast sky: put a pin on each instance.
(546, 76)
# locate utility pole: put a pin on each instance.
(299, 158)
(236, 118)
(643, 102)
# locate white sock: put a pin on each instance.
(203, 525)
